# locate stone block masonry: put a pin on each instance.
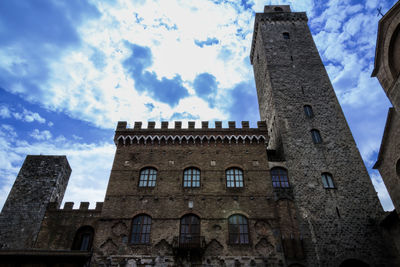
(41, 180)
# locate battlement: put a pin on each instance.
(275, 14)
(69, 206)
(191, 134)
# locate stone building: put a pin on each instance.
(291, 192)
(387, 70)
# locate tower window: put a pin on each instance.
(308, 111)
(316, 136)
(148, 177)
(327, 180)
(234, 177)
(286, 35)
(279, 177)
(141, 227)
(238, 229)
(191, 177)
(278, 9)
(398, 167)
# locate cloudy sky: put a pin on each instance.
(70, 69)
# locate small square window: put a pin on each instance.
(327, 180)
(286, 35)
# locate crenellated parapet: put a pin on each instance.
(190, 135)
(69, 206)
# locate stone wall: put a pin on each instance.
(41, 180)
(269, 216)
(340, 222)
(60, 226)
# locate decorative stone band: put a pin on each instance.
(276, 17)
(189, 139)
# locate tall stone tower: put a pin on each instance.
(335, 201)
(42, 179)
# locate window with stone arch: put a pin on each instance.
(327, 180)
(234, 178)
(141, 228)
(191, 177)
(279, 177)
(238, 229)
(148, 177)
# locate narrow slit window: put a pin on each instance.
(308, 111)
(286, 35)
(327, 180)
(316, 136)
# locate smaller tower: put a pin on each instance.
(42, 179)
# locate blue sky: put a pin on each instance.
(69, 70)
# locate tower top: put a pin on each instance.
(277, 8)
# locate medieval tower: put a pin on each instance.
(292, 191)
(336, 203)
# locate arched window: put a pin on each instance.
(279, 177)
(286, 35)
(308, 111)
(234, 178)
(148, 177)
(316, 136)
(327, 180)
(238, 229)
(83, 239)
(141, 227)
(189, 231)
(191, 177)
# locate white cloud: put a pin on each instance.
(88, 181)
(29, 116)
(41, 135)
(5, 112)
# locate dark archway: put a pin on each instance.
(353, 263)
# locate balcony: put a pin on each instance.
(189, 242)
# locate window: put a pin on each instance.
(190, 231)
(83, 239)
(148, 177)
(278, 9)
(234, 177)
(398, 167)
(327, 180)
(308, 110)
(316, 136)
(279, 178)
(286, 35)
(191, 177)
(238, 230)
(141, 226)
